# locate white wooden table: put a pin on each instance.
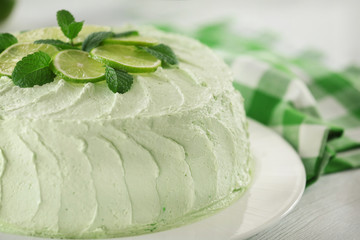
(329, 209)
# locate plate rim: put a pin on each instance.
(276, 219)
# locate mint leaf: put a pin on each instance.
(33, 70)
(67, 23)
(6, 40)
(74, 29)
(57, 43)
(64, 18)
(94, 40)
(126, 34)
(117, 80)
(162, 52)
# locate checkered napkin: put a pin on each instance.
(315, 109)
(317, 113)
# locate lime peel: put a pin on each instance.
(132, 40)
(127, 58)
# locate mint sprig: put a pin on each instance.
(6, 40)
(162, 52)
(57, 43)
(118, 80)
(33, 70)
(94, 40)
(68, 25)
(126, 34)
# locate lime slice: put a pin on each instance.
(132, 40)
(77, 66)
(16, 52)
(56, 33)
(128, 58)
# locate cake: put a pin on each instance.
(79, 161)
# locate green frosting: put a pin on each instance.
(77, 160)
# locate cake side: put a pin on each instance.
(78, 161)
(115, 178)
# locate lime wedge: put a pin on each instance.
(55, 33)
(16, 52)
(128, 58)
(132, 40)
(77, 66)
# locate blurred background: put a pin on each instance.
(331, 26)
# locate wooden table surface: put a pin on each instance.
(329, 209)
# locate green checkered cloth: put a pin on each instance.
(315, 109)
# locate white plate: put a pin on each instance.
(278, 184)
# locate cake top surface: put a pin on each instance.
(200, 76)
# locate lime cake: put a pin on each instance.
(80, 161)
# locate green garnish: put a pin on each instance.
(16, 52)
(162, 52)
(132, 40)
(126, 34)
(33, 70)
(77, 66)
(103, 55)
(94, 40)
(6, 40)
(57, 43)
(68, 26)
(127, 58)
(117, 80)
(56, 33)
